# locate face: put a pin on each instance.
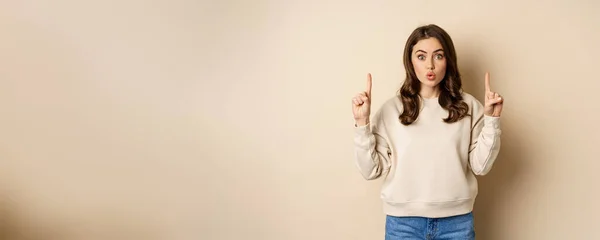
(429, 62)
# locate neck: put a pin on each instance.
(428, 92)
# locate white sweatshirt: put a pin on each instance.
(428, 167)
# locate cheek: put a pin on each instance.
(418, 66)
(442, 67)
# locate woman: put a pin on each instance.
(428, 143)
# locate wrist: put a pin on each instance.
(362, 122)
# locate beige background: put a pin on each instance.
(232, 119)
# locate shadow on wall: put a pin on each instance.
(496, 189)
(17, 224)
(8, 223)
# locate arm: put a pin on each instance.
(372, 152)
(485, 142)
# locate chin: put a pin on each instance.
(429, 83)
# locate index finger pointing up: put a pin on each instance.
(487, 82)
(369, 84)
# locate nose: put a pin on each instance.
(430, 65)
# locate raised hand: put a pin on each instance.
(361, 104)
(493, 100)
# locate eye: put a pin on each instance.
(439, 56)
(420, 57)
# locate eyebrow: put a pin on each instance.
(439, 50)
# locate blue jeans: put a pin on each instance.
(459, 227)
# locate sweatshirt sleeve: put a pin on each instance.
(485, 141)
(372, 152)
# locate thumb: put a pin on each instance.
(498, 109)
(495, 100)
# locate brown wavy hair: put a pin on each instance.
(450, 87)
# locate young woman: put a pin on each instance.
(428, 143)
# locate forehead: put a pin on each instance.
(429, 45)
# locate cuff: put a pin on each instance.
(491, 122)
(363, 137)
(491, 125)
(362, 129)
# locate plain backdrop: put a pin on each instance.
(232, 119)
